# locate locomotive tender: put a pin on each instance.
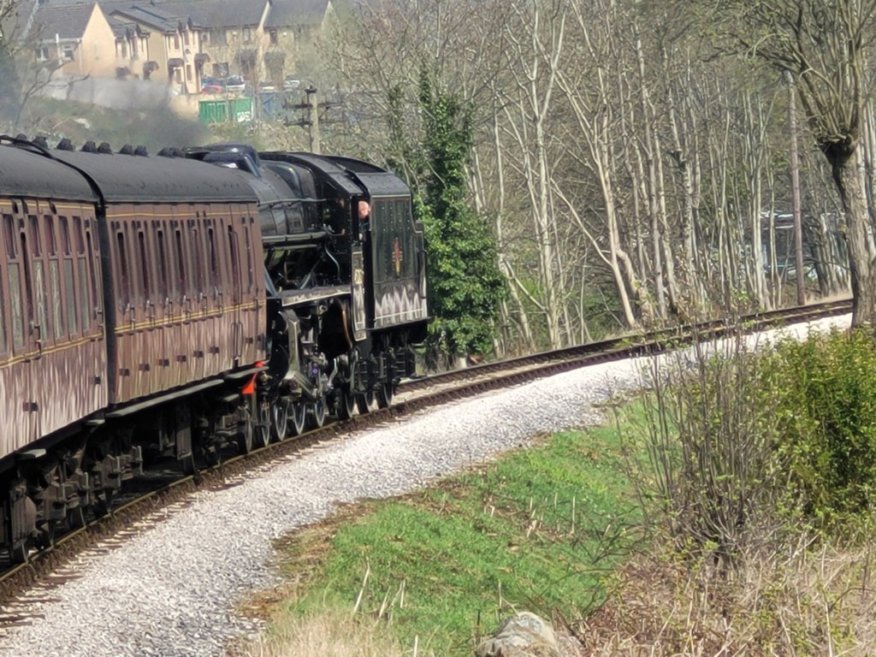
(165, 307)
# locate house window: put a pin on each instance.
(68, 53)
(123, 49)
(186, 37)
(176, 41)
(205, 37)
(42, 53)
(273, 36)
(247, 35)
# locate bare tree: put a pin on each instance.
(823, 44)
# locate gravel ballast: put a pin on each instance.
(172, 590)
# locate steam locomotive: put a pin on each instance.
(173, 307)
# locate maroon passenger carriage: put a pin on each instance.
(160, 308)
(133, 306)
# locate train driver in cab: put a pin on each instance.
(364, 213)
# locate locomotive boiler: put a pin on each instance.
(168, 307)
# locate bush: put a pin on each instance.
(745, 445)
(825, 412)
(710, 443)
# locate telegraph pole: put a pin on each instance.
(314, 118)
(313, 108)
(795, 191)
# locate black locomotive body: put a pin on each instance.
(167, 307)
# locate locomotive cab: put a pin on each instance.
(346, 293)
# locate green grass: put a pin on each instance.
(542, 529)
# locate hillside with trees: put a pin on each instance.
(634, 161)
(607, 164)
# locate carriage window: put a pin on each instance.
(4, 345)
(34, 235)
(65, 235)
(55, 295)
(39, 298)
(198, 250)
(85, 304)
(77, 235)
(9, 234)
(214, 260)
(15, 304)
(249, 268)
(180, 261)
(144, 265)
(50, 234)
(163, 265)
(124, 275)
(234, 255)
(89, 283)
(70, 291)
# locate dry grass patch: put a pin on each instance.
(327, 634)
(808, 602)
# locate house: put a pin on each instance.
(292, 26)
(75, 40)
(178, 42)
(232, 33)
(132, 49)
(173, 42)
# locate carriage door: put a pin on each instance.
(21, 419)
(31, 283)
(236, 292)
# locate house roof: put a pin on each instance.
(150, 15)
(124, 28)
(67, 22)
(286, 13)
(69, 17)
(218, 13)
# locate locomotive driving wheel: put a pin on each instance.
(280, 417)
(76, 517)
(262, 429)
(245, 431)
(342, 399)
(344, 403)
(317, 413)
(365, 402)
(384, 394)
(297, 418)
(18, 552)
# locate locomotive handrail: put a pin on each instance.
(294, 238)
(287, 201)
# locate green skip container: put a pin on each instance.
(225, 110)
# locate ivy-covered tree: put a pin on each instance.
(465, 284)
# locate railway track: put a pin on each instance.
(25, 588)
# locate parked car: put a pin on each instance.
(212, 88)
(291, 84)
(266, 86)
(235, 84)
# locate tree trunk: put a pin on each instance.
(843, 159)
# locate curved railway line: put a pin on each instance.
(25, 585)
